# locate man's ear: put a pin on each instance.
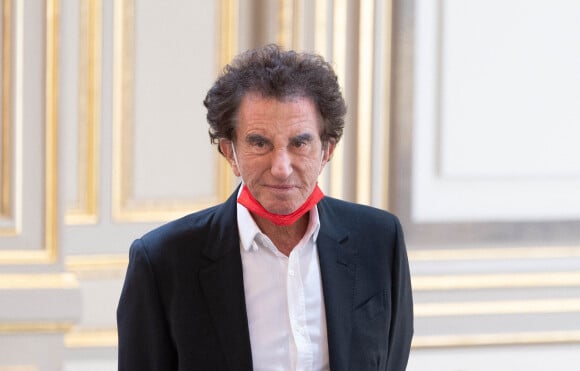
(227, 148)
(327, 151)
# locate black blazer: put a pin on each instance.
(182, 306)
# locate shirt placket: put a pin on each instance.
(297, 312)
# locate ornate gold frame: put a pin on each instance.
(86, 209)
(125, 208)
(48, 254)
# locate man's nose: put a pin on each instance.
(281, 164)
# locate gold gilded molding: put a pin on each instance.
(321, 36)
(115, 265)
(35, 327)
(416, 255)
(365, 101)
(499, 280)
(339, 42)
(321, 27)
(40, 256)
(91, 338)
(8, 175)
(7, 147)
(519, 338)
(86, 209)
(98, 338)
(18, 368)
(285, 23)
(122, 101)
(51, 151)
(228, 42)
(469, 308)
(38, 281)
(125, 207)
(386, 39)
(47, 253)
(290, 15)
(97, 266)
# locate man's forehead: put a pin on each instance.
(253, 100)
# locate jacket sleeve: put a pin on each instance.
(401, 328)
(144, 340)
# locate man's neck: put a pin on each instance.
(285, 238)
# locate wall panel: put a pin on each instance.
(160, 135)
(29, 135)
(137, 134)
(141, 144)
(38, 302)
(494, 253)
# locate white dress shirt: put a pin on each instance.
(284, 299)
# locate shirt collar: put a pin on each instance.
(248, 228)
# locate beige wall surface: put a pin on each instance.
(462, 121)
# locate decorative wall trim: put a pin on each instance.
(471, 308)
(47, 253)
(125, 207)
(366, 38)
(339, 43)
(51, 168)
(35, 327)
(91, 338)
(97, 266)
(86, 209)
(7, 145)
(321, 27)
(387, 150)
(428, 223)
(503, 281)
(494, 253)
(105, 338)
(228, 41)
(474, 340)
(102, 263)
(290, 21)
(18, 368)
(286, 23)
(38, 281)
(322, 32)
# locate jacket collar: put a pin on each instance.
(222, 284)
(337, 268)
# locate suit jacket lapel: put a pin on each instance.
(337, 268)
(223, 287)
(222, 284)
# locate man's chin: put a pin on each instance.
(280, 210)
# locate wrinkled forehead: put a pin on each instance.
(257, 100)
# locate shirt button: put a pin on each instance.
(291, 273)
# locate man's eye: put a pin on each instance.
(259, 145)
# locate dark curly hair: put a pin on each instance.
(275, 73)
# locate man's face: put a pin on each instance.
(278, 149)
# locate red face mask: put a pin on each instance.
(246, 199)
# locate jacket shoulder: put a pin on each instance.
(185, 226)
(179, 238)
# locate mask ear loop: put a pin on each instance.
(235, 157)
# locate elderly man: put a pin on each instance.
(279, 277)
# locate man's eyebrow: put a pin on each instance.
(305, 137)
(253, 138)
